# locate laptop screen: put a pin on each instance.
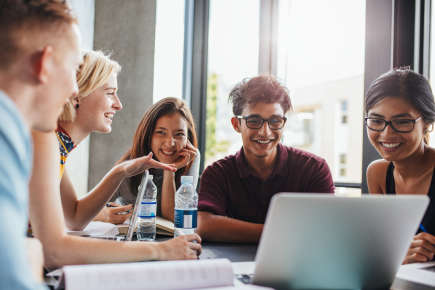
(133, 218)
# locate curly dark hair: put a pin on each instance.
(260, 89)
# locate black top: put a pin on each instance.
(428, 221)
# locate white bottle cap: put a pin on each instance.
(186, 179)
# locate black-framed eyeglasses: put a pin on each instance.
(256, 122)
(398, 125)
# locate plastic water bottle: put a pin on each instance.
(146, 220)
(186, 204)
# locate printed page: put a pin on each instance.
(422, 273)
(194, 274)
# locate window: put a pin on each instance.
(232, 55)
(169, 45)
(321, 59)
(432, 63)
(319, 56)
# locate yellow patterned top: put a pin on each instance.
(66, 145)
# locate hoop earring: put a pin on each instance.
(429, 129)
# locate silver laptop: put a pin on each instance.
(313, 241)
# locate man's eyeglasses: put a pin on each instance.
(398, 125)
(256, 122)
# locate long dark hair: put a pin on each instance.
(406, 84)
(142, 138)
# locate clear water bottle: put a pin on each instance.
(146, 219)
(186, 206)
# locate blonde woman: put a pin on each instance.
(53, 200)
(92, 110)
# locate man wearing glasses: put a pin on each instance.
(235, 191)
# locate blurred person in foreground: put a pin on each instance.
(39, 55)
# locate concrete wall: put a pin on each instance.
(78, 161)
(128, 31)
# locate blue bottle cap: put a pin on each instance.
(186, 179)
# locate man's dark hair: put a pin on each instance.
(24, 19)
(260, 89)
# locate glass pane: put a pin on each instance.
(232, 56)
(169, 46)
(321, 59)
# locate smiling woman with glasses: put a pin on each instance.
(400, 112)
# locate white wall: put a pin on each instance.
(127, 31)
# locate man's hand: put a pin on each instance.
(180, 248)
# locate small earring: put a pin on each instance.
(77, 106)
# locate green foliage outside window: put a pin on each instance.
(213, 147)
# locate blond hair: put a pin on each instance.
(92, 74)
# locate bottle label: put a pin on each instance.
(185, 219)
(148, 209)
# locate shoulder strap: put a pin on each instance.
(390, 185)
(432, 185)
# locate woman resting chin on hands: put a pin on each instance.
(400, 112)
(167, 130)
(185, 156)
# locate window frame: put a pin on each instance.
(195, 70)
(392, 39)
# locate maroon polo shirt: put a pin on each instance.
(229, 188)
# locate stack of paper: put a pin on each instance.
(210, 274)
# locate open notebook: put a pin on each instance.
(96, 229)
(193, 274)
(163, 227)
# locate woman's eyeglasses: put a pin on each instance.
(398, 125)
